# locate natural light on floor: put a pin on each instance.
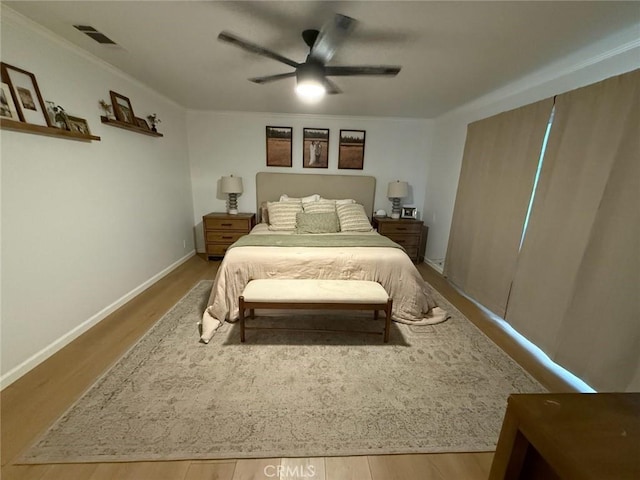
(530, 347)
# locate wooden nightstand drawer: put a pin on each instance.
(405, 232)
(231, 224)
(222, 229)
(222, 237)
(405, 240)
(411, 251)
(217, 249)
(389, 229)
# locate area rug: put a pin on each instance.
(440, 388)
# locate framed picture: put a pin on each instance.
(408, 211)
(7, 105)
(279, 147)
(142, 123)
(351, 151)
(315, 148)
(78, 125)
(25, 94)
(122, 108)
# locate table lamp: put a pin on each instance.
(396, 191)
(232, 186)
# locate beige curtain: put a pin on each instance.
(498, 168)
(577, 283)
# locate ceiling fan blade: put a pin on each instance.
(253, 48)
(331, 37)
(331, 87)
(272, 78)
(384, 70)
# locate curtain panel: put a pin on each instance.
(576, 287)
(498, 169)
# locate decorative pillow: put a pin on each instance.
(344, 201)
(353, 218)
(282, 215)
(264, 212)
(321, 206)
(317, 222)
(311, 198)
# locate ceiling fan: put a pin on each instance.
(311, 75)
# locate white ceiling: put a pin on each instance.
(450, 52)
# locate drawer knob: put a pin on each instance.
(226, 224)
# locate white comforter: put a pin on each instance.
(412, 299)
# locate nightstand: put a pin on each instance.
(222, 229)
(404, 231)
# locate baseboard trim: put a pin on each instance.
(39, 357)
(436, 266)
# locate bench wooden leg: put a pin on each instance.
(387, 321)
(242, 319)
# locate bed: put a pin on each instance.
(350, 255)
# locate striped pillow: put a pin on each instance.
(321, 206)
(353, 218)
(282, 215)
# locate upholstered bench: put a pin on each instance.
(315, 294)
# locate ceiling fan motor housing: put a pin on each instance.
(311, 70)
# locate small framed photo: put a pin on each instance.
(142, 123)
(409, 211)
(315, 148)
(25, 94)
(279, 146)
(351, 151)
(122, 108)
(7, 105)
(78, 125)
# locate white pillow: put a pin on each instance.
(352, 218)
(344, 201)
(282, 215)
(321, 206)
(311, 198)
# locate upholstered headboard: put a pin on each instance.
(269, 187)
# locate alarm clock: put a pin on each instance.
(381, 213)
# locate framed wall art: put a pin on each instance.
(122, 108)
(142, 123)
(25, 93)
(315, 148)
(351, 150)
(78, 125)
(7, 105)
(279, 146)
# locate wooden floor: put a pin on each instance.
(33, 402)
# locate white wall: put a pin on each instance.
(222, 143)
(85, 224)
(614, 55)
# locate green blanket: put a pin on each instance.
(267, 240)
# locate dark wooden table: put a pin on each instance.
(569, 436)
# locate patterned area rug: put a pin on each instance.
(440, 388)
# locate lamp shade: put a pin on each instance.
(397, 189)
(231, 184)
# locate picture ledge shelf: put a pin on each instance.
(7, 124)
(128, 126)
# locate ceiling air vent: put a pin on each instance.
(96, 35)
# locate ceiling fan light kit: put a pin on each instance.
(311, 75)
(309, 82)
